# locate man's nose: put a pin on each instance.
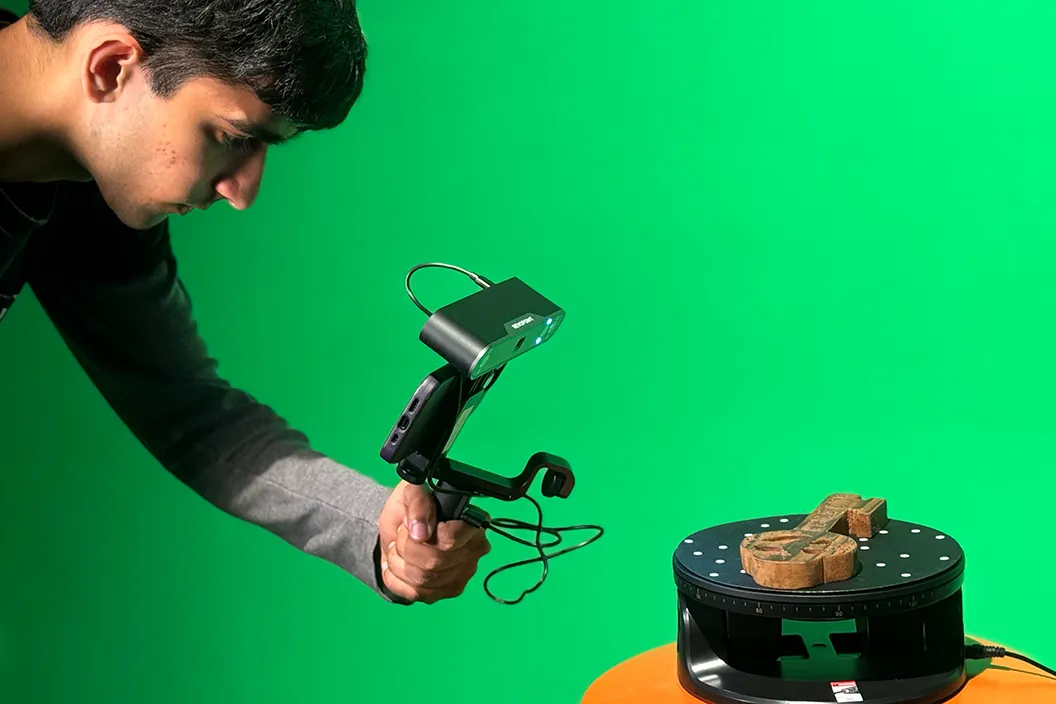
(241, 185)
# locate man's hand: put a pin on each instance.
(420, 560)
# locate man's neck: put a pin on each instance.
(32, 135)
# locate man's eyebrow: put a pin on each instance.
(260, 132)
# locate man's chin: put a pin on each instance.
(143, 219)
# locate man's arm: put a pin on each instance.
(120, 306)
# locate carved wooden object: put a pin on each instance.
(819, 550)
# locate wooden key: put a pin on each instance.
(821, 549)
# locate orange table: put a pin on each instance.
(650, 678)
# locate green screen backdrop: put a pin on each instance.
(803, 248)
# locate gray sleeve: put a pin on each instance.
(127, 318)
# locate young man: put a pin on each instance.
(115, 114)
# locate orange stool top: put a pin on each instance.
(650, 678)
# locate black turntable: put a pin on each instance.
(891, 633)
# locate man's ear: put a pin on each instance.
(111, 61)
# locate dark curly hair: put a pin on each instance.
(305, 59)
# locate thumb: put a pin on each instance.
(419, 512)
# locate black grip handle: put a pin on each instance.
(450, 503)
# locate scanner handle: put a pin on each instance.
(449, 506)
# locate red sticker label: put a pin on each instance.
(846, 691)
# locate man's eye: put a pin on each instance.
(240, 144)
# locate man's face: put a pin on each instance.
(152, 157)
